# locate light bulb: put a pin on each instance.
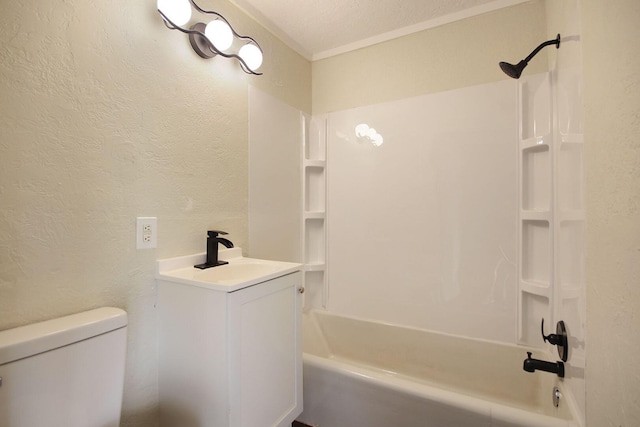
(178, 11)
(219, 33)
(251, 55)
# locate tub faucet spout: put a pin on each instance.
(532, 365)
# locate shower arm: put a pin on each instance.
(555, 41)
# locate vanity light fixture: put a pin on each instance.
(216, 37)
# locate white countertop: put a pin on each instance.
(240, 273)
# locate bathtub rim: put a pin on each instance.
(470, 404)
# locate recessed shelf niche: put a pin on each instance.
(314, 188)
(314, 177)
(314, 242)
(536, 174)
(536, 252)
(570, 176)
(315, 146)
(533, 306)
(314, 285)
(535, 102)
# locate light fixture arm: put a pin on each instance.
(200, 42)
(201, 10)
(167, 22)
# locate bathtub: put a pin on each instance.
(360, 373)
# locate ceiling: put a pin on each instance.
(319, 29)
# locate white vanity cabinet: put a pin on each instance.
(230, 358)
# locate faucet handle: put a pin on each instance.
(559, 339)
(214, 233)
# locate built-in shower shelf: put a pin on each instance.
(571, 215)
(314, 224)
(571, 292)
(536, 288)
(572, 138)
(535, 178)
(551, 219)
(537, 213)
(528, 215)
(315, 215)
(314, 266)
(315, 163)
(537, 142)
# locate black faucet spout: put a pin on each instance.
(226, 242)
(212, 249)
(531, 365)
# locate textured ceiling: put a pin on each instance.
(321, 28)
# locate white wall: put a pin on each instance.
(422, 229)
(107, 115)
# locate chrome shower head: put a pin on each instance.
(514, 71)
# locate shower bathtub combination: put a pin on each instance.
(360, 373)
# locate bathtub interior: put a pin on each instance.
(482, 369)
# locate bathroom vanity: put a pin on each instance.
(229, 342)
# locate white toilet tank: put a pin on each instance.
(65, 372)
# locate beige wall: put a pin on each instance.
(460, 54)
(107, 115)
(612, 137)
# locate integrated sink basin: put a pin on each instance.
(240, 273)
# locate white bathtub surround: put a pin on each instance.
(371, 373)
(422, 229)
(469, 218)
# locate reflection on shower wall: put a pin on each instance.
(421, 211)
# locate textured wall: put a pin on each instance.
(460, 54)
(612, 112)
(107, 115)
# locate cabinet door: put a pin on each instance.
(265, 353)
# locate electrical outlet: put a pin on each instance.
(146, 232)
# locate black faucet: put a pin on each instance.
(212, 249)
(532, 365)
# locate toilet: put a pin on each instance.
(65, 372)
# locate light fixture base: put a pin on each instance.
(199, 43)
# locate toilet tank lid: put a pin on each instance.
(29, 340)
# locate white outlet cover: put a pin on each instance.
(146, 232)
